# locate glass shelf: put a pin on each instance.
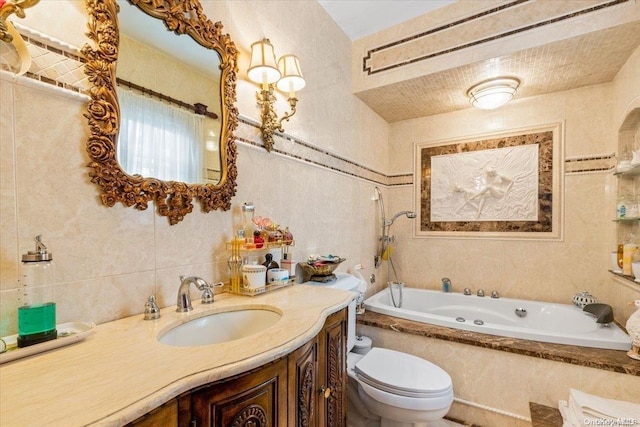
(624, 276)
(251, 292)
(630, 219)
(264, 246)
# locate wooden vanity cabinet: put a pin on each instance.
(257, 399)
(333, 371)
(307, 388)
(163, 416)
(317, 377)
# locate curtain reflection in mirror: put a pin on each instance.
(159, 140)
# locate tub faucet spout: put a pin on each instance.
(602, 312)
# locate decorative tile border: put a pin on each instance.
(370, 69)
(590, 164)
(61, 65)
(297, 149)
(501, 148)
(54, 62)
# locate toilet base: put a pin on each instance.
(362, 411)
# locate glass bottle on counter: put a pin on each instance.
(269, 262)
(248, 210)
(37, 313)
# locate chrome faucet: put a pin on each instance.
(184, 299)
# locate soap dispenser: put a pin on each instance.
(37, 313)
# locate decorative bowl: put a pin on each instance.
(321, 267)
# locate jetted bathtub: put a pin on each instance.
(546, 322)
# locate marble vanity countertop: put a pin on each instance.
(121, 371)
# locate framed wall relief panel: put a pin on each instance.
(506, 185)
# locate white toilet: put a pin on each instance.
(389, 388)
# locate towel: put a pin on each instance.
(583, 409)
(563, 406)
(601, 408)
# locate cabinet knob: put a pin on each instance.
(326, 392)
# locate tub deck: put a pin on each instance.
(610, 360)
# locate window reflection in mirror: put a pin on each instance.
(163, 138)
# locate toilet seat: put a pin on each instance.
(403, 380)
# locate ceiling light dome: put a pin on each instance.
(493, 93)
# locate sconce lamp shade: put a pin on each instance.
(493, 93)
(291, 80)
(263, 68)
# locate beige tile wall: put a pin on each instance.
(108, 260)
(549, 271)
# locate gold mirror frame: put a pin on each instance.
(174, 199)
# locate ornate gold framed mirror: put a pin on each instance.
(213, 185)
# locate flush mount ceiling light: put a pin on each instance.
(493, 93)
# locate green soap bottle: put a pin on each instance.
(37, 312)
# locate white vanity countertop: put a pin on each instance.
(120, 371)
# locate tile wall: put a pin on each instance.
(547, 271)
(319, 182)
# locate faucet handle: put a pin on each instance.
(207, 294)
(480, 292)
(495, 294)
(207, 291)
(151, 310)
(467, 291)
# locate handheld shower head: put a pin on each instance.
(409, 214)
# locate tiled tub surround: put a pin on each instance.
(121, 371)
(506, 373)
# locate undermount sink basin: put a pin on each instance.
(220, 327)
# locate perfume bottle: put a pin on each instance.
(37, 314)
(248, 211)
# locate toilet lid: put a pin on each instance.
(402, 374)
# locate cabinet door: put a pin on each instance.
(255, 399)
(303, 383)
(333, 371)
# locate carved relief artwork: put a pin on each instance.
(335, 379)
(306, 401)
(487, 185)
(251, 416)
(507, 185)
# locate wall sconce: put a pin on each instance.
(493, 93)
(8, 7)
(285, 76)
(16, 58)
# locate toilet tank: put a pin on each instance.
(345, 282)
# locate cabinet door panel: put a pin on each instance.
(333, 375)
(257, 399)
(303, 385)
